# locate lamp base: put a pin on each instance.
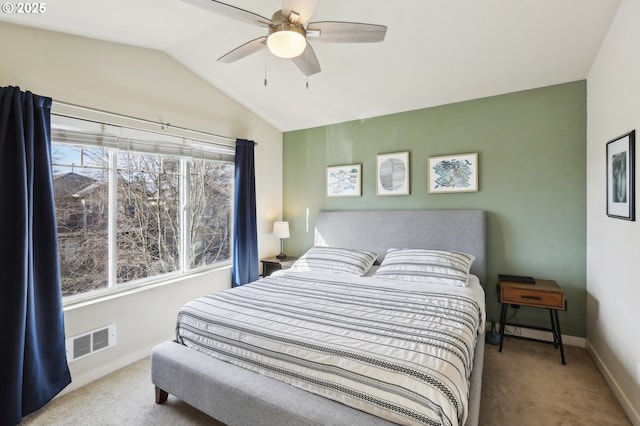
(281, 256)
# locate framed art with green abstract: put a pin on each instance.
(621, 177)
(453, 173)
(344, 181)
(392, 174)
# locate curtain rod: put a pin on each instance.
(162, 125)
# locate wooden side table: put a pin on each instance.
(544, 294)
(273, 264)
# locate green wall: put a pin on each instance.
(531, 149)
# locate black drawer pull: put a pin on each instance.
(524, 296)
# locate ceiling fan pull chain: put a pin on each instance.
(265, 70)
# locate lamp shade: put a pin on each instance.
(281, 229)
(286, 41)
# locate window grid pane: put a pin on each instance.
(80, 180)
(210, 192)
(148, 229)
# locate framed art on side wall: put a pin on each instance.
(344, 181)
(393, 174)
(453, 173)
(621, 177)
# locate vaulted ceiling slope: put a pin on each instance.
(435, 51)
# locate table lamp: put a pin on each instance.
(281, 230)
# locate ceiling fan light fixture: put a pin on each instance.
(287, 41)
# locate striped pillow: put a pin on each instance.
(333, 259)
(434, 266)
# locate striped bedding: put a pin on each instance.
(399, 350)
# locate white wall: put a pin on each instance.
(613, 245)
(151, 85)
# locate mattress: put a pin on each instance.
(399, 350)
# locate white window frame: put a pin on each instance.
(177, 141)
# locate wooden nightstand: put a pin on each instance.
(272, 264)
(544, 294)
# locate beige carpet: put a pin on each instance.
(524, 385)
(527, 385)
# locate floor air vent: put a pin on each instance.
(88, 343)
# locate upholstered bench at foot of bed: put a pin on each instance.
(237, 396)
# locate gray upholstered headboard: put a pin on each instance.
(453, 230)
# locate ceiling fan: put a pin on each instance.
(287, 35)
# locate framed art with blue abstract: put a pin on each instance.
(621, 177)
(344, 181)
(453, 173)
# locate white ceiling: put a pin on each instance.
(435, 52)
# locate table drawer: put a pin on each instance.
(533, 297)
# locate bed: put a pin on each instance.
(240, 389)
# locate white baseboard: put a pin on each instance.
(579, 342)
(79, 381)
(625, 403)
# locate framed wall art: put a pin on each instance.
(344, 181)
(453, 173)
(621, 177)
(392, 174)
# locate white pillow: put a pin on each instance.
(333, 259)
(420, 265)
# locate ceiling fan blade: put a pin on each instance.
(246, 49)
(307, 62)
(304, 8)
(346, 32)
(231, 12)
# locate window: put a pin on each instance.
(148, 219)
(134, 207)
